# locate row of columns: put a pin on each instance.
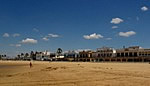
(113, 59)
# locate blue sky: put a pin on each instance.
(27, 25)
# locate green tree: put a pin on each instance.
(22, 54)
(59, 51)
(18, 56)
(32, 55)
(27, 54)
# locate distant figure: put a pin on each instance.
(30, 64)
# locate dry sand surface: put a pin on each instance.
(18, 73)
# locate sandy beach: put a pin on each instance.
(19, 73)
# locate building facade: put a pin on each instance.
(130, 54)
(105, 52)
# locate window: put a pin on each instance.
(126, 54)
(110, 54)
(135, 54)
(118, 54)
(99, 55)
(130, 54)
(122, 54)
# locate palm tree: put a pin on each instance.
(59, 51)
(22, 54)
(27, 54)
(4, 55)
(18, 56)
(32, 55)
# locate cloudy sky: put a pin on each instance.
(27, 25)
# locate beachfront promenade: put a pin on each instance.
(104, 54)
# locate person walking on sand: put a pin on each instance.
(30, 64)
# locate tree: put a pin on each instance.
(22, 54)
(18, 56)
(32, 55)
(4, 55)
(27, 54)
(59, 51)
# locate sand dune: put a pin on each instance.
(18, 73)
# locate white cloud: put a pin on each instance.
(93, 36)
(144, 8)
(35, 29)
(16, 35)
(115, 27)
(127, 34)
(116, 20)
(5, 35)
(29, 41)
(53, 35)
(45, 38)
(108, 38)
(15, 45)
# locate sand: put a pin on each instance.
(19, 73)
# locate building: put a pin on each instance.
(71, 55)
(85, 56)
(43, 56)
(105, 52)
(130, 54)
(133, 54)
